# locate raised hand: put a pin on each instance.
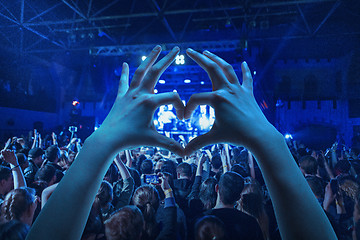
(132, 113)
(10, 157)
(240, 121)
(238, 118)
(129, 124)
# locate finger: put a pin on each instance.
(215, 73)
(124, 80)
(155, 72)
(170, 98)
(226, 67)
(196, 100)
(144, 67)
(167, 143)
(247, 78)
(200, 141)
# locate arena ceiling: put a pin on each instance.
(39, 26)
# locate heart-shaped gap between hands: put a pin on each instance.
(183, 131)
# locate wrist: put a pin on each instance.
(101, 139)
(14, 167)
(168, 193)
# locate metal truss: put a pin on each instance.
(89, 18)
(141, 49)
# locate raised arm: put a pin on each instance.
(54, 138)
(128, 158)
(18, 176)
(195, 189)
(129, 124)
(225, 164)
(251, 165)
(35, 140)
(240, 121)
(128, 184)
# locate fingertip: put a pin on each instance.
(207, 53)
(176, 49)
(125, 68)
(190, 51)
(157, 48)
(245, 66)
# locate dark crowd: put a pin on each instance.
(30, 172)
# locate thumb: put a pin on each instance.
(167, 143)
(200, 141)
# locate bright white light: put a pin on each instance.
(143, 58)
(202, 83)
(204, 122)
(155, 91)
(183, 101)
(174, 90)
(187, 81)
(254, 72)
(288, 136)
(95, 128)
(180, 59)
(162, 81)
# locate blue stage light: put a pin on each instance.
(288, 136)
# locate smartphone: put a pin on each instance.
(152, 179)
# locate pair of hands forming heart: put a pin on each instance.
(238, 118)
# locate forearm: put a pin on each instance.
(128, 158)
(199, 170)
(126, 193)
(78, 147)
(251, 165)
(195, 189)
(328, 170)
(34, 144)
(170, 213)
(124, 172)
(291, 196)
(333, 157)
(19, 180)
(76, 190)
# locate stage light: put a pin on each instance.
(187, 81)
(162, 81)
(174, 90)
(180, 59)
(95, 128)
(143, 58)
(288, 136)
(155, 91)
(75, 103)
(202, 83)
(204, 123)
(254, 73)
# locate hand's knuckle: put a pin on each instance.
(139, 71)
(212, 67)
(228, 67)
(155, 69)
